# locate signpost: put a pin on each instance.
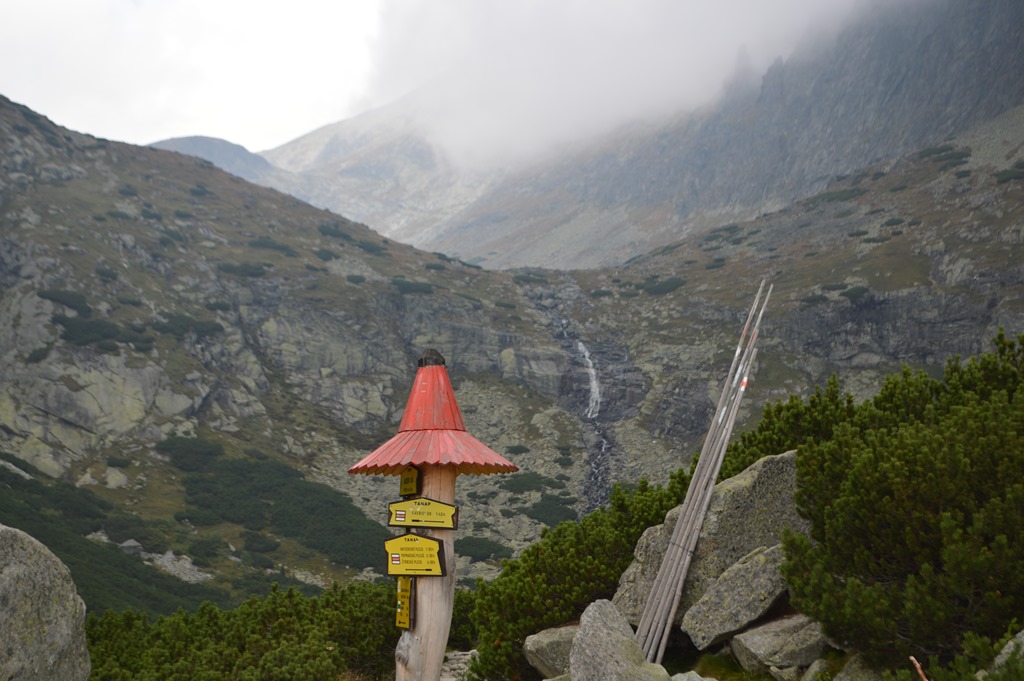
(415, 555)
(404, 611)
(410, 482)
(422, 512)
(431, 448)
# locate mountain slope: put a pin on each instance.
(147, 297)
(901, 76)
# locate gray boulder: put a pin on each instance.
(42, 618)
(747, 511)
(857, 670)
(548, 651)
(795, 641)
(605, 649)
(1015, 644)
(817, 668)
(741, 595)
(784, 673)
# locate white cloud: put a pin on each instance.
(256, 72)
(513, 78)
(511, 75)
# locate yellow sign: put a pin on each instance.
(410, 484)
(423, 512)
(403, 615)
(413, 554)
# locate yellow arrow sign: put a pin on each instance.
(423, 512)
(410, 481)
(403, 615)
(413, 554)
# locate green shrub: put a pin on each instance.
(345, 632)
(189, 453)
(180, 325)
(435, 266)
(326, 255)
(333, 229)
(86, 331)
(1015, 173)
(838, 286)
(272, 245)
(207, 547)
(857, 233)
(72, 299)
(355, 278)
(600, 293)
(529, 278)
(150, 214)
(855, 293)
(260, 543)
(947, 459)
(39, 354)
(480, 548)
(517, 449)
(218, 306)
(406, 287)
(933, 151)
(118, 462)
(371, 247)
(552, 510)
(269, 494)
(504, 304)
(892, 222)
(245, 269)
(814, 298)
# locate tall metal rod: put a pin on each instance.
(663, 601)
(663, 580)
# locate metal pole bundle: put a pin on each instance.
(663, 601)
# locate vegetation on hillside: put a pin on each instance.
(280, 637)
(915, 504)
(915, 499)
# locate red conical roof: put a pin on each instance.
(432, 431)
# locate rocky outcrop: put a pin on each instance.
(548, 651)
(747, 512)
(42, 618)
(795, 641)
(605, 649)
(744, 593)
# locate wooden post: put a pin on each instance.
(420, 651)
(431, 439)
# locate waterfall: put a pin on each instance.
(594, 404)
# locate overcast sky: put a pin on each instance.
(509, 75)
